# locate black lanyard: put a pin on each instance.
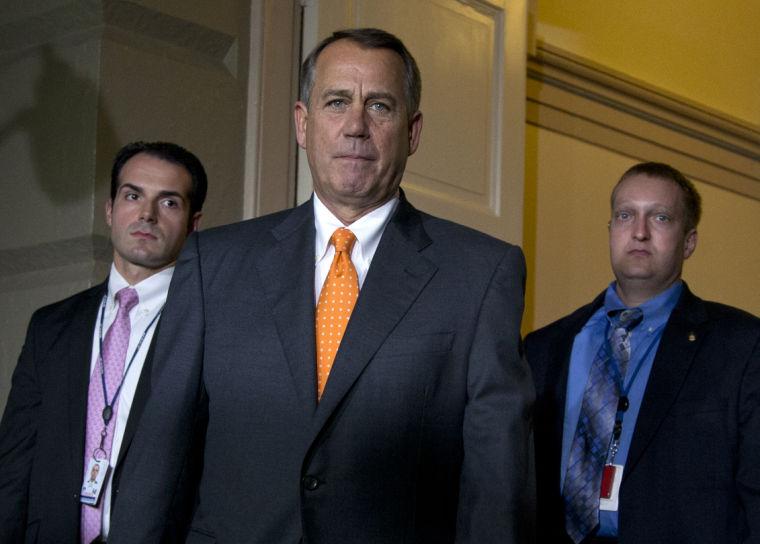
(108, 408)
(623, 390)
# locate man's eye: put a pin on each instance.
(662, 218)
(130, 196)
(379, 107)
(170, 203)
(336, 104)
(622, 216)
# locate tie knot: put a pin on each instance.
(343, 240)
(127, 298)
(626, 319)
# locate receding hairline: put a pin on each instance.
(366, 38)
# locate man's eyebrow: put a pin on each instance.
(138, 189)
(381, 95)
(171, 193)
(337, 92)
(374, 95)
(135, 188)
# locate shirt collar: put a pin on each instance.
(368, 229)
(151, 291)
(656, 310)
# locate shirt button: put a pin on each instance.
(310, 483)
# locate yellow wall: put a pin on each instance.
(705, 50)
(701, 51)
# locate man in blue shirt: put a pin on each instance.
(647, 426)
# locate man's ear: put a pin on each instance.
(109, 211)
(300, 116)
(195, 222)
(415, 130)
(690, 244)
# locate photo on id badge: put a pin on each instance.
(94, 478)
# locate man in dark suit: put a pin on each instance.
(417, 429)
(672, 454)
(50, 443)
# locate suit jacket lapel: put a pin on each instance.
(138, 402)
(287, 274)
(397, 275)
(675, 355)
(76, 346)
(558, 372)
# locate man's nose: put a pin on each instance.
(148, 211)
(641, 227)
(356, 122)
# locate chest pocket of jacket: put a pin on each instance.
(399, 345)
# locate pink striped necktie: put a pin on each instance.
(112, 360)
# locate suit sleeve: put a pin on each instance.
(18, 432)
(748, 469)
(496, 485)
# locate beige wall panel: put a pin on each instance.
(47, 132)
(726, 264)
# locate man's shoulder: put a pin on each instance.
(440, 227)
(725, 317)
(251, 231)
(568, 325)
(69, 305)
(49, 320)
(459, 242)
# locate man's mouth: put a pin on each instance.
(144, 235)
(356, 157)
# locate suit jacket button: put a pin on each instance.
(310, 483)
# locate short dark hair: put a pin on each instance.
(168, 152)
(370, 38)
(692, 202)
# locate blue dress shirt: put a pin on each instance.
(644, 341)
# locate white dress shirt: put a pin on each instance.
(152, 295)
(368, 230)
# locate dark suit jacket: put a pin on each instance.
(42, 430)
(693, 470)
(422, 432)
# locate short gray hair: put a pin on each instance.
(370, 38)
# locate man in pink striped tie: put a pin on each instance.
(83, 375)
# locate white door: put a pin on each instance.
(471, 53)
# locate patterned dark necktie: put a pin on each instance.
(593, 434)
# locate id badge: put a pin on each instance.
(94, 478)
(610, 491)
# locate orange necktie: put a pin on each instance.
(336, 301)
